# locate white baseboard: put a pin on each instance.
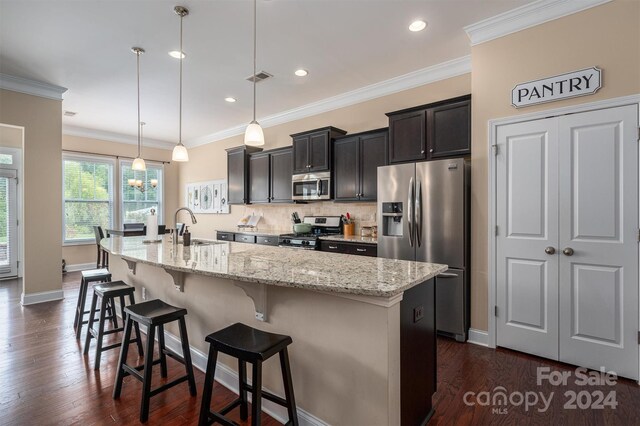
(229, 379)
(478, 337)
(81, 267)
(45, 296)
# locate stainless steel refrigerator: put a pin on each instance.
(423, 215)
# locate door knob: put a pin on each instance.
(568, 251)
(550, 250)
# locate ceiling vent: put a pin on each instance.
(70, 114)
(261, 76)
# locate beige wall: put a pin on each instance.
(210, 161)
(607, 36)
(42, 213)
(10, 137)
(80, 254)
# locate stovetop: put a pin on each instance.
(322, 225)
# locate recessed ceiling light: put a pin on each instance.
(176, 54)
(301, 72)
(417, 26)
(230, 99)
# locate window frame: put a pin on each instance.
(126, 162)
(112, 200)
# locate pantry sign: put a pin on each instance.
(570, 85)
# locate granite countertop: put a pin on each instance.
(350, 239)
(280, 266)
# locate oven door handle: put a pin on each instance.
(318, 183)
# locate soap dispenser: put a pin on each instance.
(186, 237)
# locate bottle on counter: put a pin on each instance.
(186, 237)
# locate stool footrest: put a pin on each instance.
(134, 371)
(171, 354)
(116, 345)
(230, 406)
(219, 418)
(168, 385)
(268, 395)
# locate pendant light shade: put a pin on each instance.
(253, 135)
(138, 163)
(180, 151)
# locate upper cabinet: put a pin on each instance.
(312, 149)
(238, 175)
(441, 129)
(356, 159)
(270, 176)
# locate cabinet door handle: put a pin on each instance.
(333, 247)
(431, 150)
(422, 152)
(361, 250)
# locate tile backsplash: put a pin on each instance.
(278, 217)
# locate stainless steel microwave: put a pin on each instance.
(312, 186)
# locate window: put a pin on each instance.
(136, 204)
(87, 197)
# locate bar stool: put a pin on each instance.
(253, 346)
(90, 276)
(154, 314)
(108, 292)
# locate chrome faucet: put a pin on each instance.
(175, 223)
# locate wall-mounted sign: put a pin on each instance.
(564, 86)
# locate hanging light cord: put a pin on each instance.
(181, 56)
(254, 56)
(138, 71)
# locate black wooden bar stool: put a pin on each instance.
(253, 346)
(107, 293)
(154, 313)
(88, 277)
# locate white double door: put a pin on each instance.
(567, 244)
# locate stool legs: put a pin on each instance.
(132, 301)
(163, 355)
(124, 351)
(82, 297)
(256, 394)
(205, 406)
(186, 354)
(146, 377)
(242, 379)
(92, 317)
(103, 309)
(288, 387)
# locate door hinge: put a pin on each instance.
(496, 230)
(495, 149)
(639, 337)
(495, 310)
(638, 234)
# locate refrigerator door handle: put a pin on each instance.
(418, 215)
(447, 275)
(410, 212)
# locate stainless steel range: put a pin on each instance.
(320, 225)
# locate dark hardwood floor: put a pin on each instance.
(45, 379)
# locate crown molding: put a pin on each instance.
(526, 16)
(413, 79)
(105, 135)
(31, 87)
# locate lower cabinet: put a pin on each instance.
(360, 249)
(225, 236)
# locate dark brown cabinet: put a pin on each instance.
(270, 176)
(438, 130)
(238, 174)
(312, 149)
(360, 249)
(356, 159)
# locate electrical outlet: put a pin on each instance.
(144, 293)
(418, 313)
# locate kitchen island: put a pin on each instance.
(363, 329)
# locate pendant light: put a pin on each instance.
(254, 136)
(138, 163)
(180, 151)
